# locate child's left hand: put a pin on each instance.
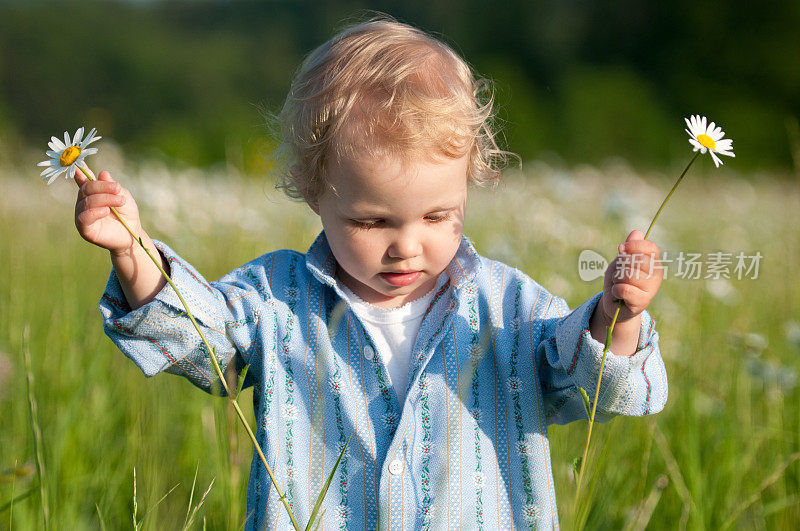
(633, 276)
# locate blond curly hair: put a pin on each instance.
(384, 88)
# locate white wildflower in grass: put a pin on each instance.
(755, 342)
(67, 156)
(723, 291)
(708, 137)
(792, 331)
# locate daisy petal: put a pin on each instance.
(66, 139)
(87, 141)
(695, 127)
(54, 173)
(57, 143)
(53, 154)
(717, 160)
(71, 172)
(89, 151)
(724, 144)
(46, 163)
(78, 136)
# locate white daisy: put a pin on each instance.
(708, 138)
(66, 156)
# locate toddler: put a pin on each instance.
(445, 367)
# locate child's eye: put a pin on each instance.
(366, 223)
(438, 218)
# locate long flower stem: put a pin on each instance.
(211, 355)
(680, 178)
(609, 332)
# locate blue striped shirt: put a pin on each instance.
(497, 359)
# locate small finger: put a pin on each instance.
(80, 179)
(88, 170)
(98, 200)
(641, 280)
(635, 298)
(638, 247)
(101, 187)
(105, 176)
(640, 264)
(635, 235)
(87, 217)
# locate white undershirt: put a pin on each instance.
(393, 331)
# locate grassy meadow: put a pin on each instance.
(722, 455)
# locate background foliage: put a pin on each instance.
(575, 79)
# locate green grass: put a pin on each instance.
(731, 423)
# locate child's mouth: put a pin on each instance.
(404, 278)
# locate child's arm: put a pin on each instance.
(143, 315)
(138, 275)
(571, 347)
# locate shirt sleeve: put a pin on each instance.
(569, 357)
(159, 336)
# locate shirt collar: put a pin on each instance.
(322, 264)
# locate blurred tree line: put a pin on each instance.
(575, 80)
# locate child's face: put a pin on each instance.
(394, 228)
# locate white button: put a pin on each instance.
(369, 352)
(396, 467)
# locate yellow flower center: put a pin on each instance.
(705, 141)
(69, 155)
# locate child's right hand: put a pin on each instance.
(93, 217)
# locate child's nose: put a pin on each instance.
(405, 245)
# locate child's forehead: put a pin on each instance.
(427, 183)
